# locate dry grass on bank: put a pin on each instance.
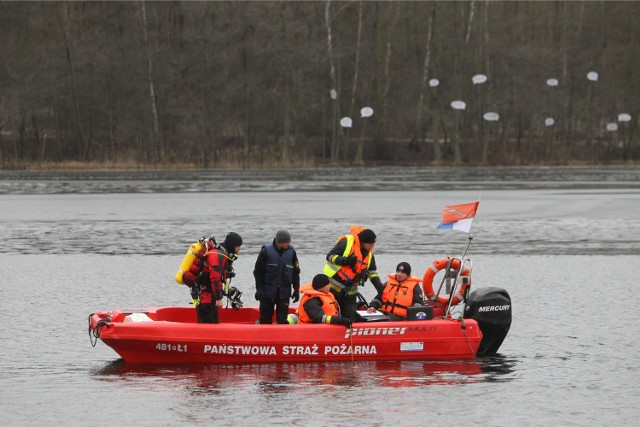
(133, 165)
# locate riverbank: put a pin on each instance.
(354, 179)
(294, 165)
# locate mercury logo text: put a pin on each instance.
(494, 308)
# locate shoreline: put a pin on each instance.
(127, 166)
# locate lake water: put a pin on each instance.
(565, 243)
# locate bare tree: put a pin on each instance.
(157, 138)
(245, 84)
(423, 88)
(84, 141)
(335, 144)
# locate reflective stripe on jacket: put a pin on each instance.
(329, 303)
(343, 276)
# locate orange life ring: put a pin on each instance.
(432, 270)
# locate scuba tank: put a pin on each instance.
(198, 248)
(188, 260)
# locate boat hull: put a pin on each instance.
(174, 336)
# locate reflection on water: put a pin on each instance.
(497, 368)
(283, 377)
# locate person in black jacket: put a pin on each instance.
(209, 273)
(350, 263)
(401, 291)
(277, 276)
(318, 305)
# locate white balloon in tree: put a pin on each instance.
(478, 79)
(458, 105)
(366, 112)
(346, 122)
(491, 116)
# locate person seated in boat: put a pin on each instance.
(401, 291)
(209, 273)
(277, 274)
(349, 264)
(319, 305)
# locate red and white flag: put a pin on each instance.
(458, 217)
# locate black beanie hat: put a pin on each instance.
(404, 267)
(283, 236)
(232, 241)
(367, 236)
(319, 281)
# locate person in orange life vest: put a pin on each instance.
(318, 305)
(277, 274)
(349, 264)
(401, 291)
(211, 269)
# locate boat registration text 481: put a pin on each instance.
(181, 348)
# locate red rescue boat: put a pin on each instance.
(172, 335)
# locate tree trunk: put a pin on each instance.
(457, 149)
(246, 89)
(354, 87)
(335, 145)
(437, 146)
(286, 135)
(84, 142)
(157, 138)
(486, 139)
(425, 74)
(385, 78)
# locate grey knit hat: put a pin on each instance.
(283, 236)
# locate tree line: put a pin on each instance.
(251, 84)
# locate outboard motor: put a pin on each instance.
(491, 308)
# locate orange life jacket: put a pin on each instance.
(344, 273)
(329, 303)
(396, 296)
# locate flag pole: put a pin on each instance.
(468, 241)
(469, 235)
(466, 245)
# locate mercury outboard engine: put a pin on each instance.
(491, 308)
